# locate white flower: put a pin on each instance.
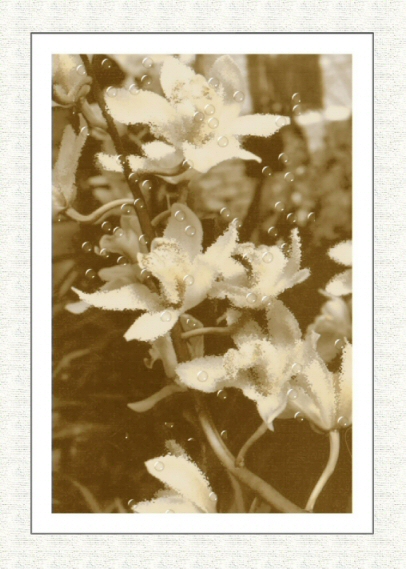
(341, 284)
(184, 273)
(198, 121)
(70, 80)
(188, 490)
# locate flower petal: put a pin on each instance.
(218, 255)
(258, 125)
(228, 73)
(167, 505)
(283, 328)
(340, 284)
(342, 253)
(204, 374)
(131, 297)
(182, 475)
(211, 153)
(181, 226)
(158, 150)
(149, 327)
(345, 384)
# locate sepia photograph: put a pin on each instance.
(202, 283)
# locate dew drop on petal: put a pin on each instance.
(213, 122)
(188, 280)
(190, 230)
(296, 98)
(143, 239)
(139, 204)
(225, 212)
(106, 226)
(272, 232)
(106, 64)
(159, 466)
(284, 248)
(81, 70)
(237, 223)
(299, 417)
(133, 89)
(297, 110)
(267, 257)
(84, 130)
(283, 158)
(339, 344)
(144, 274)
(289, 177)
(343, 422)
(187, 164)
(87, 247)
(198, 116)
(311, 217)
(126, 209)
(224, 435)
(209, 110)
(91, 274)
(111, 92)
(251, 298)
(213, 496)
(239, 96)
(213, 82)
(266, 171)
(131, 503)
(279, 206)
(147, 62)
(146, 81)
(221, 394)
(292, 394)
(296, 368)
(179, 215)
(222, 141)
(202, 376)
(166, 316)
(146, 185)
(119, 158)
(266, 300)
(280, 122)
(118, 232)
(290, 218)
(122, 260)
(133, 177)
(104, 253)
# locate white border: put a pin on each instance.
(360, 46)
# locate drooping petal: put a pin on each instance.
(204, 374)
(283, 328)
(162, 349)
(131, 297)
(345, 384)
(150, 402)
(342, 253)
(258, 125)
(151, 326)
(228, 73)
(186, 228)
(269, 407)
(169, 504)
(340, 284)
(213, 152)
(218, 255)
(77, 307)
(182, 475)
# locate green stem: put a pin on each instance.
(97, 215)
(328, 471)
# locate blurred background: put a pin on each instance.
(305, 181)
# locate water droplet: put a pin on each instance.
(91, 274)
(202, 376)
(84, 130)
(190, 230)
(87, 247)
(126, 209)
(143, 239)
(198, 116)
(343, 422)
(106, 64)
(191, 440)
(267, 257)
(311, 217)
(133, 177)
(133, 88)
(190, 323)
(266, 300)
(225, 212)
(213, 82)
(280, 122)
(266, 171)
(131, 503)
(221, 394)
(251, 298)
(237, 223)
(111, 92)
(169, 424)
(106, 226)
(119, 157)
(60, 218)
(273, 232)
(339, 344)
(284, 248)
(146, 185)
(139, 204)
(104, 253)
(283, 158)
(296, 98)
(297, 110)
(147, 62)
(292, 394)
(166, 316)
(144, 274)
(169, 512)
(159, 466)
(296, 368)
(299, 417)
(279, 206)
(213, 122)
(239, 96)
(213, 496)
(188, 280)
(146, 81)
(224, 435)
(118, 232)
(289, 177)
(81, 70)
(179, 215)
(209, 110)
(187, 164)
(290, 218)
(222, 141)
(122, 260)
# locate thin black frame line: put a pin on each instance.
(373, 262)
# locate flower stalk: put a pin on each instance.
(334, 437)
